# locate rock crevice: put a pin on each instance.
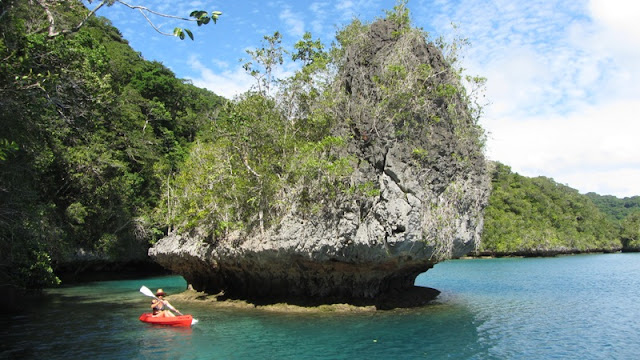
(431, 187)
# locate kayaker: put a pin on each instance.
(160, 306)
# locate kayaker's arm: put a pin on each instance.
(154, 303)
(171, 307)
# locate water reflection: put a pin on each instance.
(576, 307)
(159, 342)
(101, 321)
(96, 320)
(440, 331)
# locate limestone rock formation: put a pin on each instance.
(417, 145)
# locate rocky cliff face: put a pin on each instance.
(417, 150)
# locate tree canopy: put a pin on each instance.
(539, 216)
(614, 207)
(92, 133)
(59, 22)
(103, 152)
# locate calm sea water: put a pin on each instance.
(574, 307)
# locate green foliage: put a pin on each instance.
(36, 271)
(400, 16)
(307, 50)
(531, 215)
(446, 91)
(76, 213)
(264, 62)
(348, 36)
(236, 173)
(265, 154)
(420, 154)
(6, 147)
(68, 17)
(300, 97)
(366, 189)
(614, 207)
(91, 133)
(537, 215)
(180, 32)
(201, 17)
(227, 178)
(630, 231)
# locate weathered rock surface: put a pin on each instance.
(426, 208)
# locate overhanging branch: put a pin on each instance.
(46, 5)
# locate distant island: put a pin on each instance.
(539, 217)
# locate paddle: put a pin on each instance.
(145, 290)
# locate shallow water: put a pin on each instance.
(574, 307)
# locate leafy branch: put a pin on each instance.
(201, 17)
(264, 62)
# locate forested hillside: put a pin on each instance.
(91, 134)
(103, 152)
(615, 207)
(626, 213)
(537, 216)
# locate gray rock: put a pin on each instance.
(431, 188)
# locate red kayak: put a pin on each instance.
(182, 320)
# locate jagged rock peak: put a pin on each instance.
(419, 174)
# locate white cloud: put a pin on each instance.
(588, 149)
(618, 16)
(318, 10)
(344, 5)
(598, 181)
(564, 87)
(346, 10)
(227, 83)
(293, 21)
(563, 76)
(317, 7)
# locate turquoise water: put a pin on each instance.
(574, 307)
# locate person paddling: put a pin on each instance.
(161, 307)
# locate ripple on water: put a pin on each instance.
(581, 307)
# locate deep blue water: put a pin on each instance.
(573, 307)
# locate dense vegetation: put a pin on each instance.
(313, 146)
(539, 216)
(630, 232)
(102, 152)
(91, 133)
(614, 207)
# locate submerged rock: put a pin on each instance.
(410, 298)
(418, 157)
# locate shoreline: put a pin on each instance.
(539, 253)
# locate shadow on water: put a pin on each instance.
(433, 332)
(97, 320)
(156, 341)
(101, 321)
(417, 296)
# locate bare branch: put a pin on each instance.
(246, 163)
(152, 24)
(143, 8)
(91, 13)
(52, 24)
(52, 32)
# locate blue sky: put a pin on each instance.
(563, 76)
